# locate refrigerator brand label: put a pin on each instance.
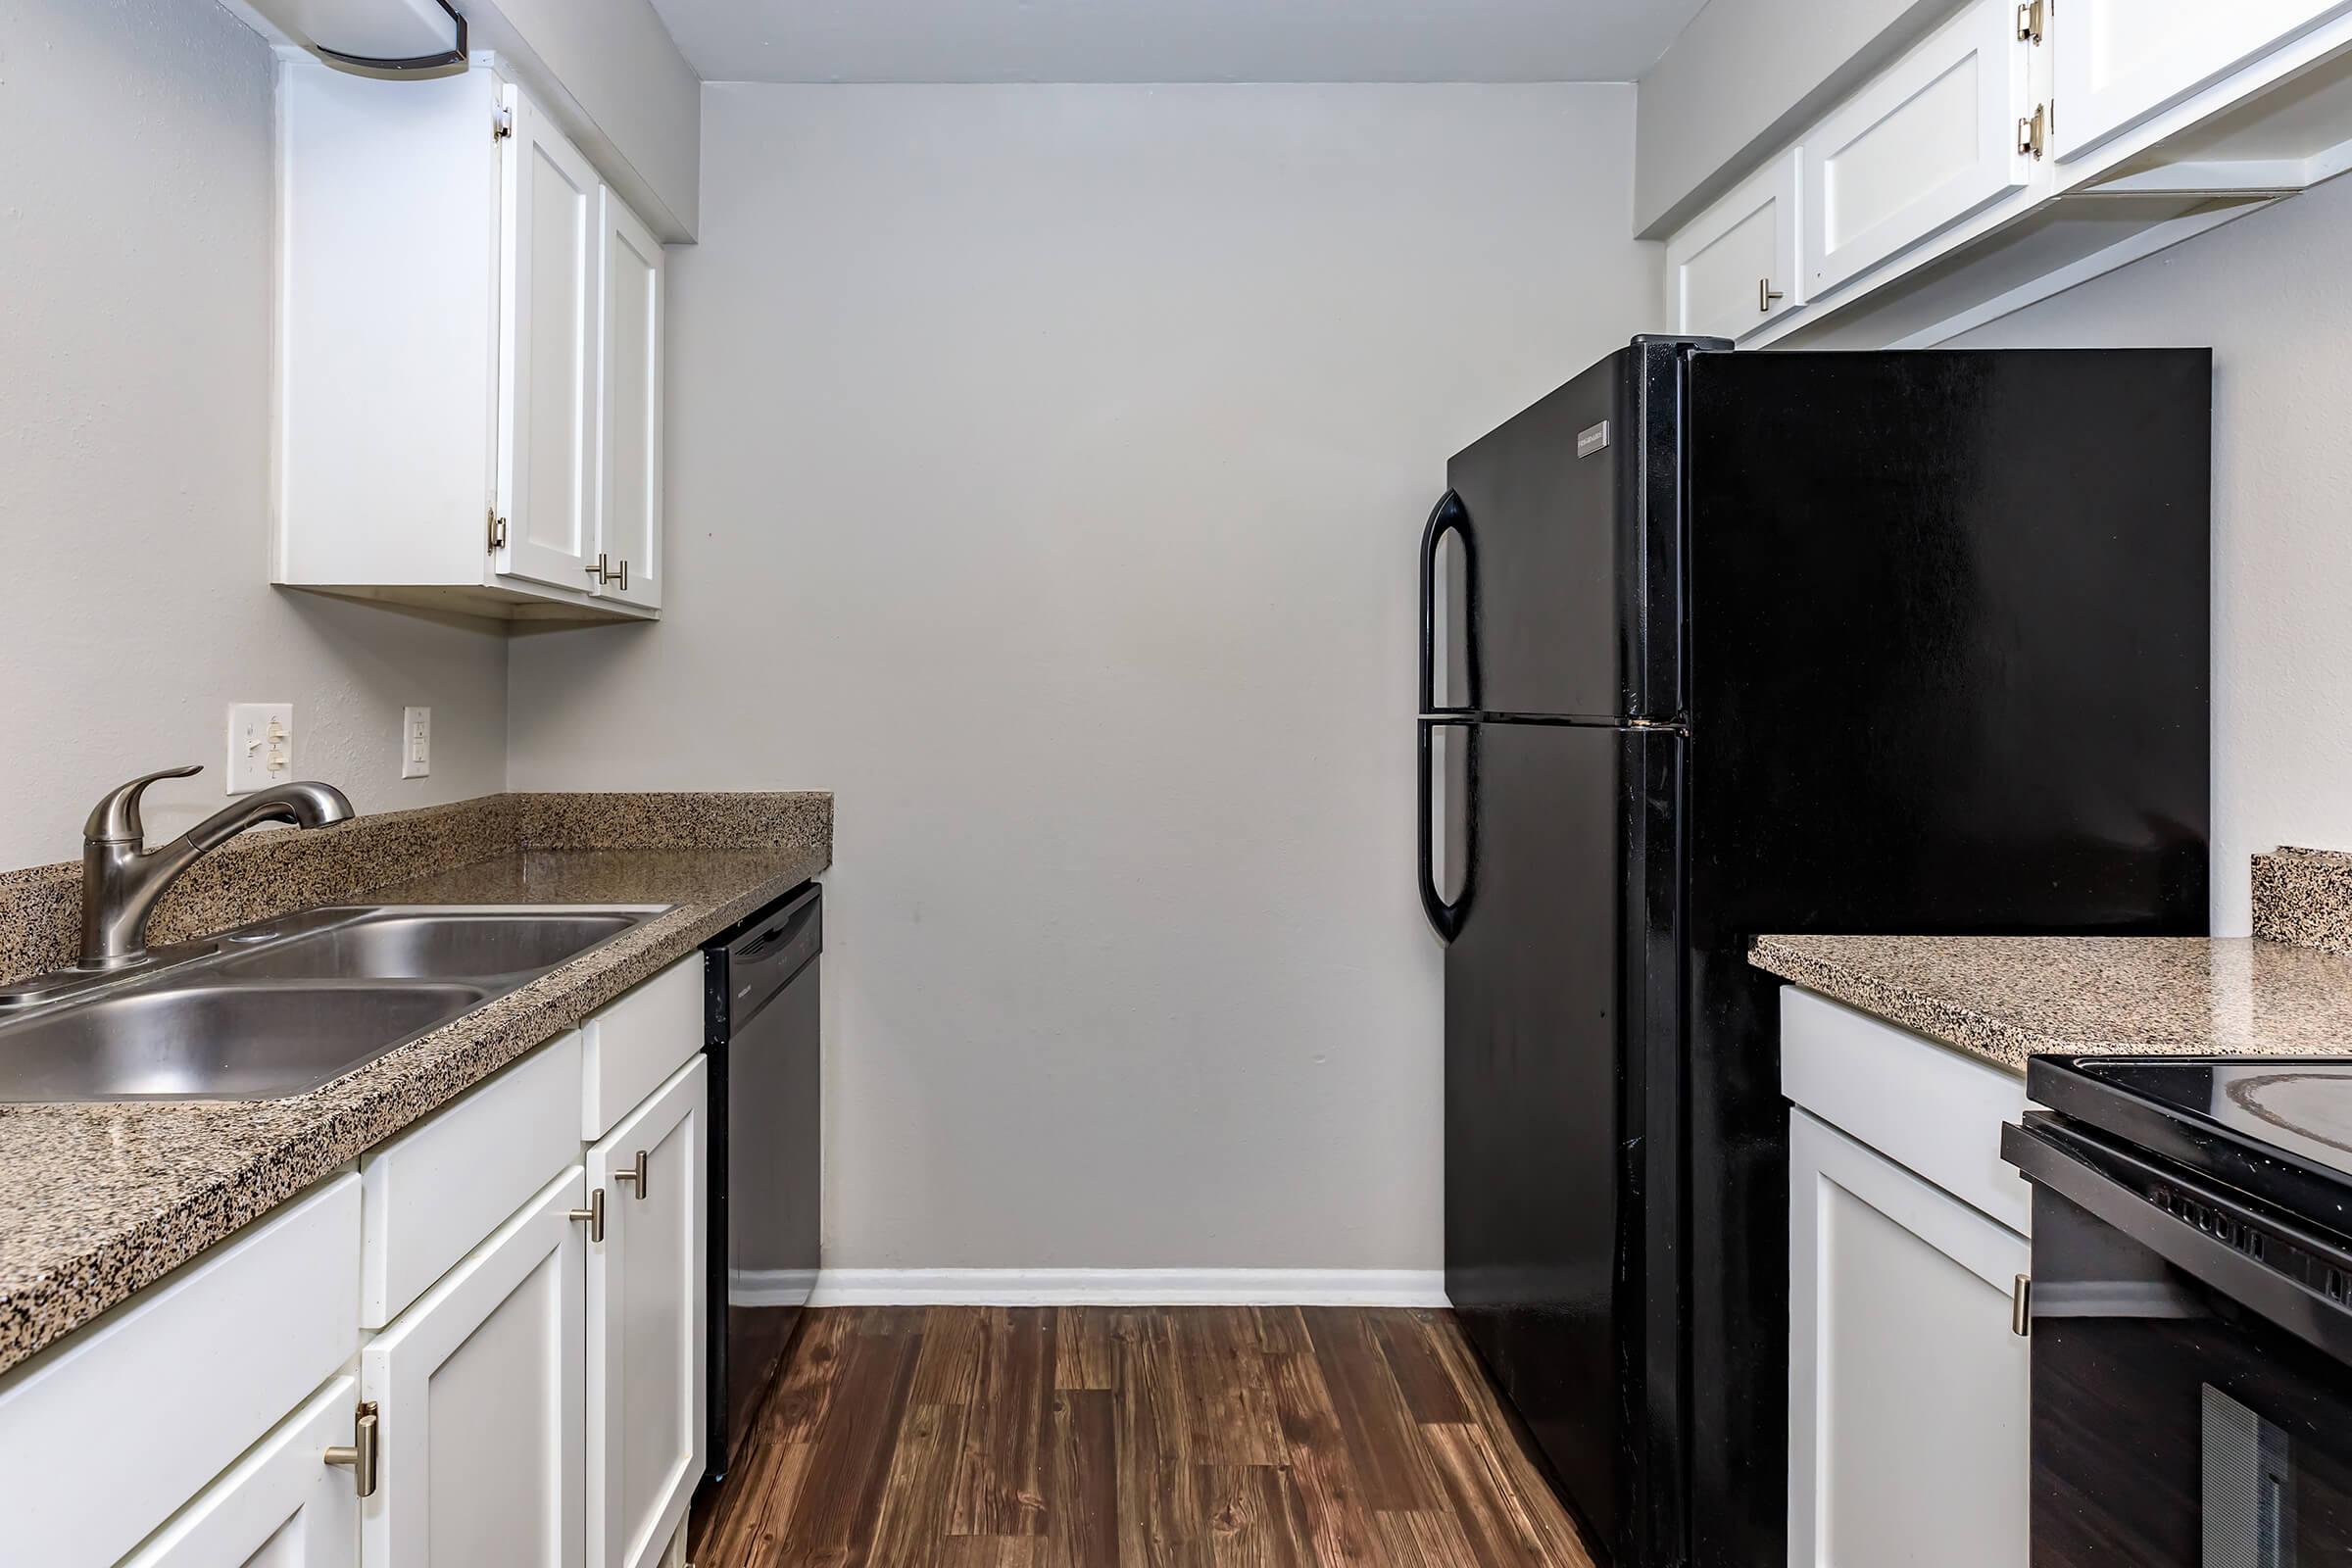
(1592, 438)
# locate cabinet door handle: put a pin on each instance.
(2021, 1306)
(594, 1214)
(361, 1454)
(635, 1178)
(1765, 295)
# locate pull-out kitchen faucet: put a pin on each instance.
(121, 879)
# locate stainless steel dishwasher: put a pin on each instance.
(760, 979)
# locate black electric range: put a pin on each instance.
(2191, 1311)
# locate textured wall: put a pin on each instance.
(135, 260)
(1046, 469)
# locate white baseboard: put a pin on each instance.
(769, 1287)
(1129, 1287)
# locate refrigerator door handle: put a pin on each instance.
(1449, 517)
(1446, 919)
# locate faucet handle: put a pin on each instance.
(115, 817)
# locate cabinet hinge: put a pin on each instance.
(502, 125)
(497, 530)
(2032, 133)
(2031, 17)
(2021, 1307)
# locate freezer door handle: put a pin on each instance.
(1446, 919)
(1449, 517)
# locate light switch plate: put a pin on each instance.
(416, 742)
(260, 746)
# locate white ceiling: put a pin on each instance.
(1174, 40)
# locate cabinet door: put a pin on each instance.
(1931, 141)
(1733, 271)
(206, 1364)
(1908, 1391)
(628, 496)
(283, 1507)
(646, 1323)
(478, 1389)
(2118, 63)
(546, 354)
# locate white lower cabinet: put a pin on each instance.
(284, 1506)
(536, 1400)
(1907, 1391)
(647, 1341)
(1907, 1388)
(480, 1393)
(107, 1436)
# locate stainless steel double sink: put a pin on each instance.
(284, 1006)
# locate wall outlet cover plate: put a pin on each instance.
(416, 742)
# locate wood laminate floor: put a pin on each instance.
(1133, 1438)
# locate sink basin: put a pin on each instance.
(218, 1041)
(284, 1006)
(431, 944)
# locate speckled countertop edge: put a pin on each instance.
(2007, 999)
(2285, 991)
(107, 1199)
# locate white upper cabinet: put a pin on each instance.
(445, 405)
(1733, 271)
(628, 494)
(1932, 140)
(2118, 63)
(550, 219)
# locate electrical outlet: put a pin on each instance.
(260, 746)
(416, 742)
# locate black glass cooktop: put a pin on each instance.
(2277, 1127)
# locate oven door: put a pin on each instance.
(2193, 1402)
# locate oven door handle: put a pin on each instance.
(2113, 1185)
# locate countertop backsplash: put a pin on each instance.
(261, 874)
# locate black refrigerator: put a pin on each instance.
(1717, 644)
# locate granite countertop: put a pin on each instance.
(105, 1198)
(2285, 992)
(2006, 998)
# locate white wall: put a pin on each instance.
(135, 224)
(1046, 467)
(2268, 293)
